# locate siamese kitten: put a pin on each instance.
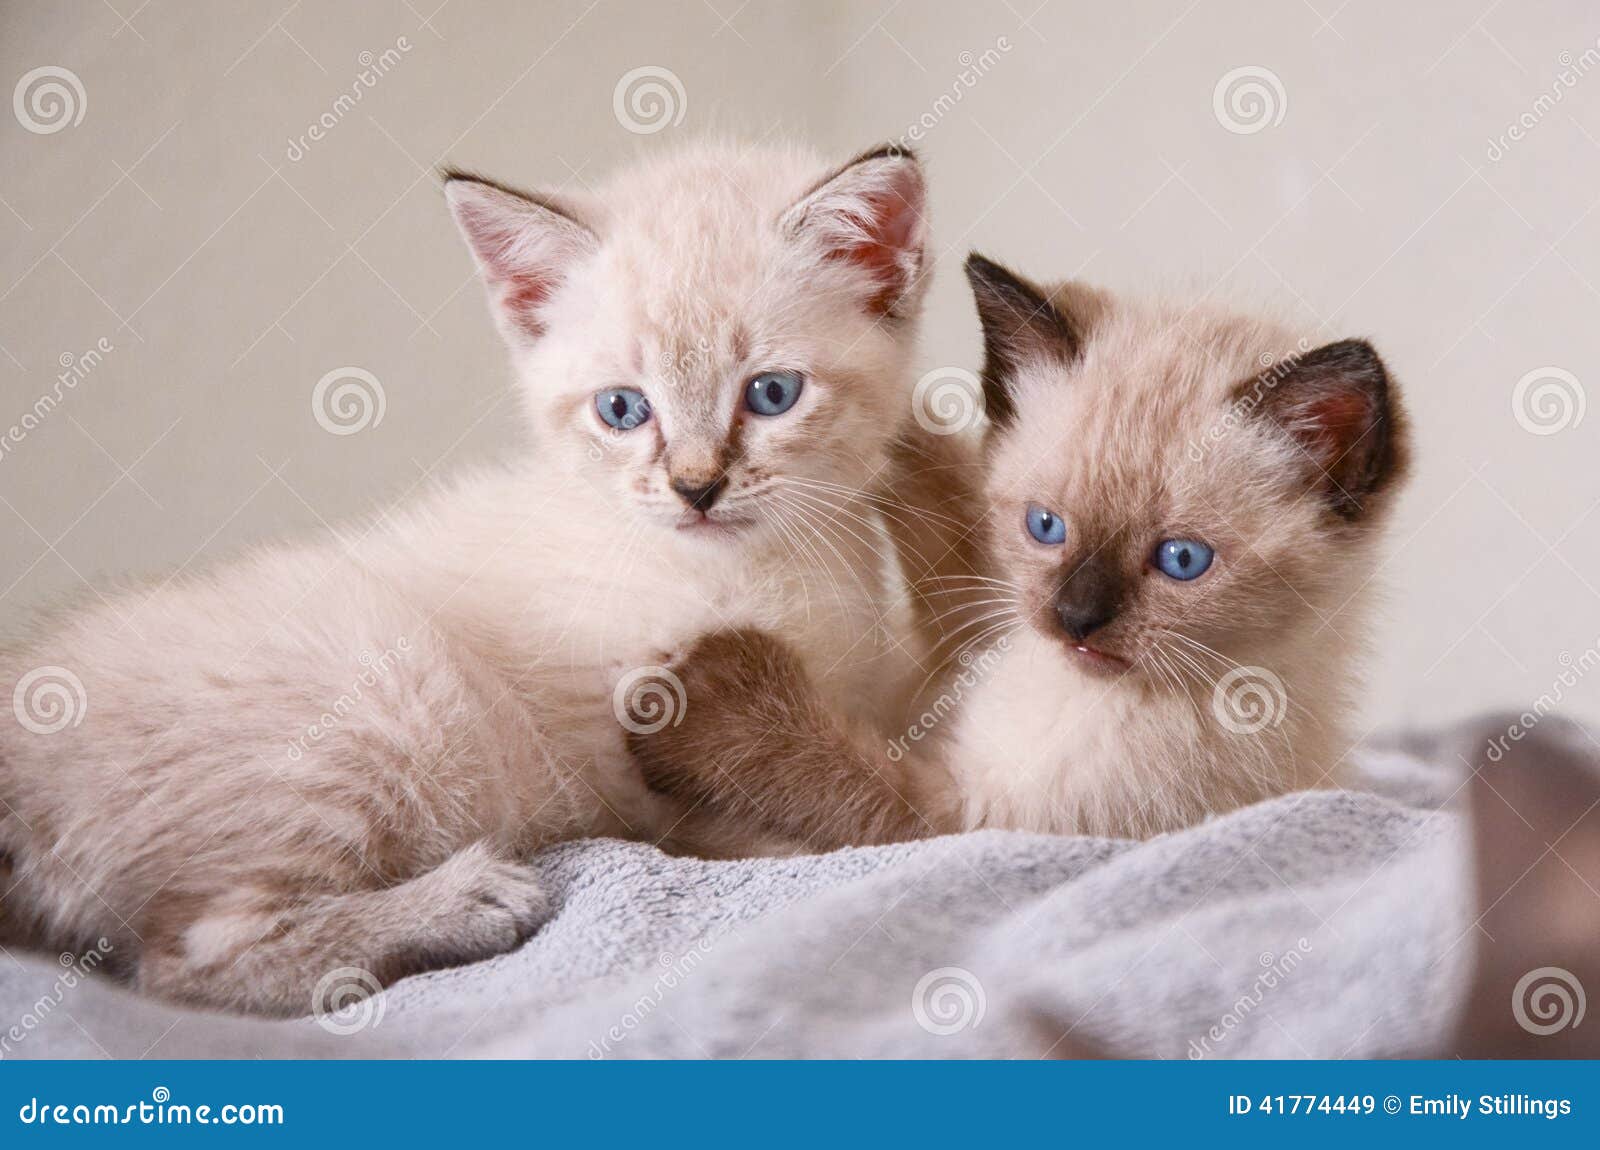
(1179, 510)
(321, 764)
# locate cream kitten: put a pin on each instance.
(319, 765)
(1180, 509)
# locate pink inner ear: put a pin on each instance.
(523, 249)
(522, 296)
(1331, 424)
(874, 224)
(520, 285)
(889, 229)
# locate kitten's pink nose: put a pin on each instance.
(699, 493)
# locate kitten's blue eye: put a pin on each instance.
(772, 392)
(1183, 559)
(1045, 525)
(623, 408)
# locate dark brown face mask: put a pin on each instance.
(1090, 597)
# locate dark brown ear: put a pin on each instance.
(1339, 407)
(871, 214)
(1020, 326)
(524, 246)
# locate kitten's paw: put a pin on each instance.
(482, 904)
(739, 669)
(666, 765)
(729, 689)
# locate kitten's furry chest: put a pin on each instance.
(564, 605)
(1041, 746)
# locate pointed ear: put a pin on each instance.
(524, 246)
(1339, 407)
(1020, 325)
(871, 214)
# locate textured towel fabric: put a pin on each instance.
(1328, 924)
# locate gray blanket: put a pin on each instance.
(1321, 924)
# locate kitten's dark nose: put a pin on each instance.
(1090, 598)
(699, 494)
(1079, 622)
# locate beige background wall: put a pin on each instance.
(228, 270)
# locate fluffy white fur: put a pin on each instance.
(332, 755)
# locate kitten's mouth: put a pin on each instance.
(1098, 661)
(711, 525)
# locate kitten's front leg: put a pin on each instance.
(291, 948)
(758, 742)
